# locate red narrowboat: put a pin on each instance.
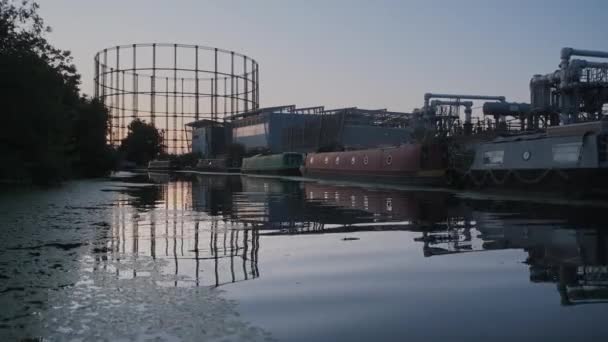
(414, 164)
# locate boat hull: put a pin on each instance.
(274, 164)
(214, 165)
(282, 172)
(161, 166)
(412, 164)
(561, 160)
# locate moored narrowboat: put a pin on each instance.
(161, 165)
(288, 163)
(406, 164)
(570, 158)
(212, 165)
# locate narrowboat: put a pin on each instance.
(417, 164)
(161, 165)
(212, 165)
(571, 157)
(564, 148)
(288, 163)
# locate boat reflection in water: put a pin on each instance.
(296, 208)
(558, 250)
(575, 259)
(206, 230)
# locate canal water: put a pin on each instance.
(230, 258)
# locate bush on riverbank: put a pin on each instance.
(49, 131)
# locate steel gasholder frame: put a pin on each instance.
(179, 83)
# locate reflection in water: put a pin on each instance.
(158, 222)
(101, 249)
(207, 228)
(558, 251)
(574, 259)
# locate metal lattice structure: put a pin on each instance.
(170, 85)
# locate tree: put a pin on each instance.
(91, 155)
(22, 33)
(38, 87)
(46, 133)
(143, 143)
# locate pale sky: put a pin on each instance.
(370, 54)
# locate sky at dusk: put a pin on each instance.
(370, 54)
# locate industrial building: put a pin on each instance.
(290, 129)
(209, 137)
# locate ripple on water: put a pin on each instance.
(103, 307)
(56, 284)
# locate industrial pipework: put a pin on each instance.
(466, 104)
(577, 86)
(571, 69)
(567, 52)
(501, 110)
(468, 126)
(468, 110)
(429, 96)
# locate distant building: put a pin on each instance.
(287, 128)
(290, 129)
(209, 138)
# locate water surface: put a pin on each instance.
(191, 257)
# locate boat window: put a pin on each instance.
(389, 160)
(338, 160)
(493, 157)
(365, 160)
(567, 153)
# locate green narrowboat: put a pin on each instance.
(161, 165)
(287, 163)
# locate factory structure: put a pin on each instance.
(290, 129)
(206, 101)
(203, 99)
(170, 85)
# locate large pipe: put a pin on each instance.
(581, 63)
(429, 96)
(506, 108)
(451, 103)
(569, 52)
